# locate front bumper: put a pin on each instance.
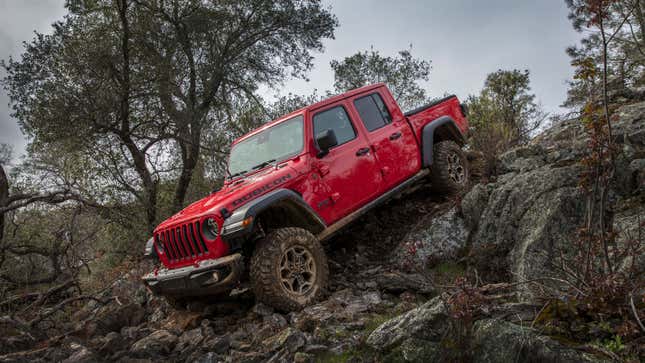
(210, 277)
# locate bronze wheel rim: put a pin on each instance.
(456, 170)
(297, 270)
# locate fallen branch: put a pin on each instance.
(638, 320)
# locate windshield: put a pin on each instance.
(271, 145)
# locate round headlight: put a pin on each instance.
(159, 244)
(210, 231)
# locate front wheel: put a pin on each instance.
(449, 171)
(289, 269)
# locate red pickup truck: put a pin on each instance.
(296, 181)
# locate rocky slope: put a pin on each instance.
(387, 275)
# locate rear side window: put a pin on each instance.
(373, 111)
(335, 119)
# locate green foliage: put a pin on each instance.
(504, 114)
(5, 154)
(402, 74)
(613, 344)
(623, 25)
(142, 95)
(130, 106)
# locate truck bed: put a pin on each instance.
(447, 106)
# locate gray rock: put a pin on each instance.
(111, 343)
(523, 159)
(439, 237)
(301, 357)
(209, 357)
(275, 321)
(372, 298)
(113, 317)
(81, 355)
(473, 205)
(500, 341)
(289, 339)
(637, 173)
(398, 282)
(527, 219)
(418, 350)
(160, 342)
(316, 348)
(427, 322)
(190, 338)
(219, 344)
(628, 219)
(262, 310)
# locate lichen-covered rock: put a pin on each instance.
(473, 205)
(527, 218)
(190, 338)
(434, 238)
(398, 282)
(427, 322)
(161, 342)
(501, 341)
(81, 355)
(289, 339)
(419, 350)
(532, 212)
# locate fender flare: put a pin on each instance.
(233, 226)
(428, 136)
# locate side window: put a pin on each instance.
(335, 119)
(373, 111)
(381, 105)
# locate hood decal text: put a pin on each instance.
(260, 190)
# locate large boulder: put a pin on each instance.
(426, 322)
(531, 213)
(529, 216)
(501, 341)
(435, 238)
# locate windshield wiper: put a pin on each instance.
(259, 166)
(237, 174)
(263, 164)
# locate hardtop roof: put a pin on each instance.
(311, 107)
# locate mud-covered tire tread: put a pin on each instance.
(262, 267)
(439, 177)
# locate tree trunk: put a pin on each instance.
(638, 10)
(4, 196)
(190, 157)
(138, 156)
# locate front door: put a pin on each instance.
(349, 170)
(392, 141)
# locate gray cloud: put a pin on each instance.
(18, 21)
(465, 40)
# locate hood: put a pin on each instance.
(234, 194)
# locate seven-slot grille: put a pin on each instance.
(181, 242)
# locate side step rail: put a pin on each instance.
(331, 230)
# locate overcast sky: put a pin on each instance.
(464, 39)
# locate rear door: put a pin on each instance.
(349, 170)
(390, 137)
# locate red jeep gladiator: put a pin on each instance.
(296, 181)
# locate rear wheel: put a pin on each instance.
(289, 269)
(449, 171)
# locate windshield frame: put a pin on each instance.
(260, 131)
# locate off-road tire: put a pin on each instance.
(266, 263)
(443, 171)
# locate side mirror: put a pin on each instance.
(325, 141)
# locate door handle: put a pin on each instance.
(395, 135)
(362, 151)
